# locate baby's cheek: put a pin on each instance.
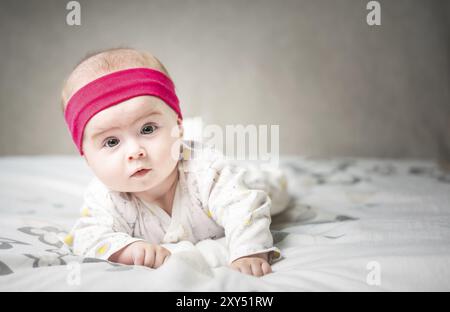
(109, 172)
(169, 150)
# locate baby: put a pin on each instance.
(151, 188)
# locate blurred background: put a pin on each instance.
(334, 84)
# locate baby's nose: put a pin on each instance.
(140, 154)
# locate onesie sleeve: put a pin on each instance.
(101, 230)
(244, 213)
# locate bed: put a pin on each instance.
(353, 224)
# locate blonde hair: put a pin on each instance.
(100, 63)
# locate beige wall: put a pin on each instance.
(334, 85)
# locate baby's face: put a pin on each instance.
(142, 132)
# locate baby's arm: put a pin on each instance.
(245, 215)
(100, 231)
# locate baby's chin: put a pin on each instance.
(132, 186)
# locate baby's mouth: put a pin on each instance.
(141, 172)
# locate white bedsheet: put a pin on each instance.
(353, 225)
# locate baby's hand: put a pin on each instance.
(256, 265)
(141, 253)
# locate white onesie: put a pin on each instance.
(213, 198)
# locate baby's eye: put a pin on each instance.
(111, 142)
(148, 129)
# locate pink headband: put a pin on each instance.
(112, 89)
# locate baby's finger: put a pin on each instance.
(256, 268)
(160, 256)
(149, 257)
(266, 268)
(167, 257)
(235, 267)
(245, 268)
(138, 256)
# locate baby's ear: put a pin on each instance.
(180, 126)
(87, 162)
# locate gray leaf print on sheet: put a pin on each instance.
(4, 269)
(6, 243)
(46, 234)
